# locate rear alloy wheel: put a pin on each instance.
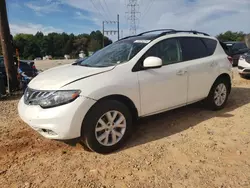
(218, 94)
(107, 126)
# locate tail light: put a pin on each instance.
(230, 59)
(33, 67)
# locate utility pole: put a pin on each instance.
(110, 32)
(118, 27)
(7, 47)
(133, 8)
(103, 34)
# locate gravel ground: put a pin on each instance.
(187, 147)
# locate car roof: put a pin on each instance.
(163, 32)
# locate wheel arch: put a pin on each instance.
(126, 101)
(225, 76)
(120, 98)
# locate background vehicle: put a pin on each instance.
(28, 67)
(236, 49)
(98, 99)
(244, 65)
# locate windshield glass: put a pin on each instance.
(116, 53)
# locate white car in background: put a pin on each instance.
(244, 65)
(97, 100)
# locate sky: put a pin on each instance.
(84, 16)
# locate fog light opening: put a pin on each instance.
(49, 132)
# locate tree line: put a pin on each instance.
(58, 44)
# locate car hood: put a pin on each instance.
(58, 77)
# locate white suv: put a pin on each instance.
(97, 99)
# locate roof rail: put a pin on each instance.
(126, 37)
(167, 30)
(183, 31)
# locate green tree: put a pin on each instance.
(231, 36)
(58, 44)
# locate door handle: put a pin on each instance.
(181, 72)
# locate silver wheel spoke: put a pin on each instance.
(98, 129)
(117, 133)
(114, 116)
(102, 122)
(113, 137)
(106, 138)
(100, 138)
(120, 125)
(109, 116)
(216, 95)
(119, 120)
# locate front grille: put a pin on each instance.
(239, 67)
(31, 95)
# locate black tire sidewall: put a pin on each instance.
(89, 124)
(210, 99)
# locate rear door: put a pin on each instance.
(202, 66)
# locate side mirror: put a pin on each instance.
(152, 62)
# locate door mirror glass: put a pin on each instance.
(152, 62)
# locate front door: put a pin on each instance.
(166, 87)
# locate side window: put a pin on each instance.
(210, 44)
(193, 48)
(168, 50)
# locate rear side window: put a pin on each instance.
(210, 44)
(239, 46)
(192, 48)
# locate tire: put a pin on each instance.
(91, 122)
(211, 101)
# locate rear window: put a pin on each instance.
(210, 44)
(193, 48)
(24, 66)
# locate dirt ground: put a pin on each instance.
(47, 64)
(187, 147)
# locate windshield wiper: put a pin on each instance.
(86, 65)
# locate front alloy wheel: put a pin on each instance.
(107, 126)
(110, 128)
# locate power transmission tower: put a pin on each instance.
(7, 47)
(133, 10)
(110, 32)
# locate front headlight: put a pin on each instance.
(57, 98)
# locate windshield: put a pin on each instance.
(116, 53)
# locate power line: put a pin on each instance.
(97, 8)
(109, 12)
(147, 9)
(104, 9)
